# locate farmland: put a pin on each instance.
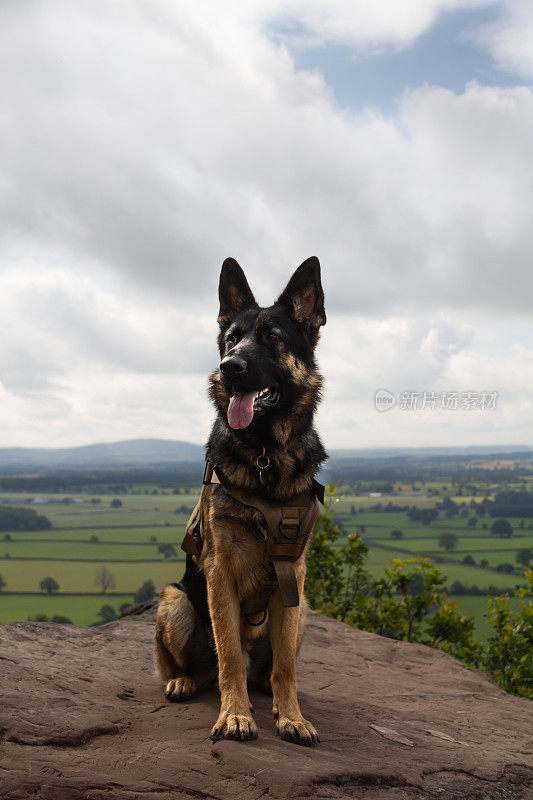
(86, 534)
(135, 535)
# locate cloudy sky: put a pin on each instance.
(143, 141)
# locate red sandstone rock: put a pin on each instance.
(83, 718)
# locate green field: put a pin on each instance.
(79, 576)
(124, 546)
(171, 533)
(467, 545)
(137, 510)
(379, 524)
(84, 551)
(477, 607)
(81, 610)
(379, 558)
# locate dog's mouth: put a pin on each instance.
(244, 405)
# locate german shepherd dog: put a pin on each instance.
(265, 392)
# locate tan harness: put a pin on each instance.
(289, 525)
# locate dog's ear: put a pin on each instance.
(303, 296)
(233, 292)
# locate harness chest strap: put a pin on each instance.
(289, 525)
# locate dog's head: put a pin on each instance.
(267, 372)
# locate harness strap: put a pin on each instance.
(289, 524)
(192, 541)
(287, 582)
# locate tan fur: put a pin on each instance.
(175, 624)
(235, 565)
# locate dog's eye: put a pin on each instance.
(272, 337)
(231, 338)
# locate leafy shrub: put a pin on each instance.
(508, 656)
(408, 603)
(107, 613)
(146, 592)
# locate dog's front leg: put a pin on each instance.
(234, 721)
(284, 626)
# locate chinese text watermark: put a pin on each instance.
(384, 400)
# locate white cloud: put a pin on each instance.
(142, 143)
(437, 355)
(359, 23)
(59, 321)
(509, 38)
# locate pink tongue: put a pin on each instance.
(241, 409)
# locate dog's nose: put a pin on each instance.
(232, 365)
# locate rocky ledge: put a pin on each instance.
(83, 718)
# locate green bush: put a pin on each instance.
(508, 655)
(408, 603)
(146, 592)
(108, 613)
(22, 519)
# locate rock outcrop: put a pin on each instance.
(83, 718)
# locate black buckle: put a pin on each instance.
(286, 535)
(208, 472)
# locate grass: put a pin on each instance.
(126, 551)
(25, 576)
(81, 610)
(423, 539)
(379, 524)
(379, 558)
(478, 545)
(171, 533)
(136, 510)
(477, 606)
(124, 536)
(68, 517)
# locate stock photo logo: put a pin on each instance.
(385, 400)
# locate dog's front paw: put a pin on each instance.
(299, 731)
(180, 689)
(234, 726)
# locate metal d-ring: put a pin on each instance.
(262, 461)
(291, 538)
(256, 624)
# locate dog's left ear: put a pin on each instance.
(233, 292)
(303, 296)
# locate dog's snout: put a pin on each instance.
(232, 365)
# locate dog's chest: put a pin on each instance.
(237, 546)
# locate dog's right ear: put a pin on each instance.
(233, 292)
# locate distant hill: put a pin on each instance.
(428, 452)
(128, 453)
(150, 452)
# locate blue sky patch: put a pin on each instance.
(443, 56)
